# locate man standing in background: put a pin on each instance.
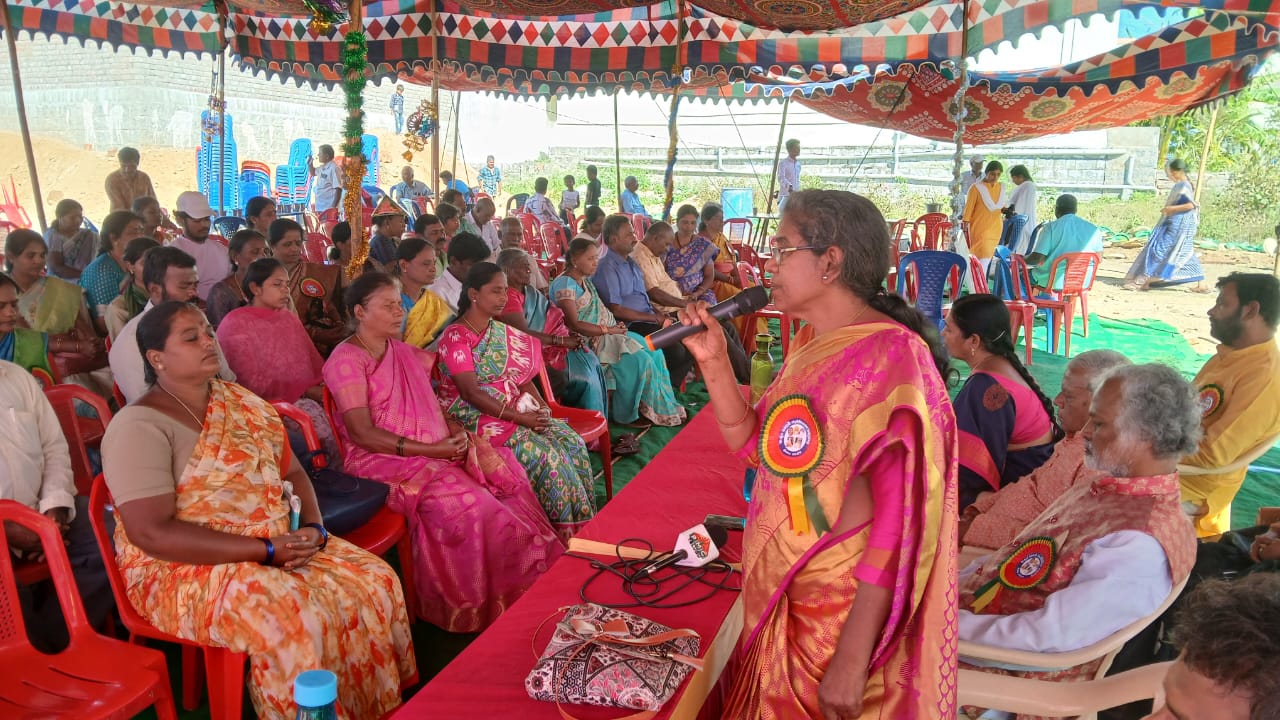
(397, 108)
(788, 173)
(491, 178)
(128, 183)
(328, 186)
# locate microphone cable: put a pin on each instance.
(657, 592)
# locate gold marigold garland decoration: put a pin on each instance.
(355, 56)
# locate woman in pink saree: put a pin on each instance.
(849, 554)
(480, 538)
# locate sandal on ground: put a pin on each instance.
(627, 444)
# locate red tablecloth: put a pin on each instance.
(693, 476)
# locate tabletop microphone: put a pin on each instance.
(747, 301)
(696, 547)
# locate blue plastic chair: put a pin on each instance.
(299, 151)
(227, 225)
(87, 224)
(931, 269)
(1035, 235)
(1013, 226)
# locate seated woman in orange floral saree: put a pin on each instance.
(197, 468)
(849, 556)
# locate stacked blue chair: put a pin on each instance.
(369, 148)
(293, 181)
(216, 165)
(299, 151)
(931, 269)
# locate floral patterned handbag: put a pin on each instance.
(602, 656)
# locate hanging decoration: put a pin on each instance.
(325, 15)
(355, 55)
(668, 178)
(211, 122)
(419, 127)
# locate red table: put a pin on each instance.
(693, 476)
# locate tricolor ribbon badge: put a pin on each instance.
(1025, 568)
(791, 446)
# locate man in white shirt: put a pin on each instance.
(327, 190)
(35, 470)
(194, 216)
(789, 173)
(481, 217)
(539, 205)
(1107, 552)
(972, 175)
(169, 274)
(465, 250)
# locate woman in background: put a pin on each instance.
(691, 259)
(134, 298)
(1169, 257)
(71, 246)
(104, 278)
(1022, 201)
(314, 288)
(982, 210)
(244, 247)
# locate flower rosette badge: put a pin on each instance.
(791, 446)
(1025, 568)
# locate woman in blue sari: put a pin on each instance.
(576, 377)
(691, 259)
(104, 278)
(1169, 257)
(636, 377)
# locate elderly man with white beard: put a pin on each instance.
(1107, 552)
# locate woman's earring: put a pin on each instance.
(824, 278)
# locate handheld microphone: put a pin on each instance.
(747, 301)
(696, 547)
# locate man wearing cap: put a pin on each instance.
(388, 226)
(194, 216)
(972, 175)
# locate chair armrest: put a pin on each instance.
(1241, 462)
(294, 413)
(1060, 699)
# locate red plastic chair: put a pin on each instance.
(82, 432)
(225, 668)
(95, 676)
(748, 276)
(532, 240)
(640, 224)
(573, 221)
(738, 230)
(590, 425)
(11, 208)
(924, 231)
(219, 239)
(1022, 314)
(317, 247)
(386, 529)
(555, 246)
(1079, 271)
(747, 254)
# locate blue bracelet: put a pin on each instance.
(324, 534)
(271, 552)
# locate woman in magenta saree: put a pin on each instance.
(480, 538)
(849, 554)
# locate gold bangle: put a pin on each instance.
(741, 420)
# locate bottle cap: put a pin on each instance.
(315, 688)
(763, 338)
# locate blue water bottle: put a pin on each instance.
(316, 694)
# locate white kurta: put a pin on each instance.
(1023, 200)
(35, 466)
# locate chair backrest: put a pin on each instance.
(573, 220)
(979, 277)
(940, 237)
(13, 632)
(516, 202)
(532, 241)
(299, 151)
(1077, 277)
(738, 230)
(1238, 464)
(1035, 235)
(227, 225)
(748, 274)
(923, 228)
(553, 241)
(307, 428)
(63, 398)
(896, 229)
(931, 269)
(1003, 286)
(317, 247)
(640, 224)
(1021, 285)
(335, 417)
(1012, 229)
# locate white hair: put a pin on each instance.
(1096, 362)
(1157, 406)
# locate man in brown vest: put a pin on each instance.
(1107, 552)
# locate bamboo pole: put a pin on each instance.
(1204, 153)
(617, 149)
(457, 116)
(777, 155)
(21, 105)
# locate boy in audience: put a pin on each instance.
(539, 206)
(568, 199)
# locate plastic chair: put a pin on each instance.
(384, 530)
(930, 270)
(640, 224)
(1078, 272)
(1022, 314)
(555, 246)
(1195, 510)
(1012, 229)
(749, 276)
(225, 669)
(516, 202)
(1068, 698)
(317, 247)
(81, 432)
(897, 229)
(1035, 235)
(95, 676)
(572, 219)
(924, 230)
(11, 208)
(748, 254)
(531, 242)
(590, 425)
(738, 230)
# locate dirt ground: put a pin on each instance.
(70, 171)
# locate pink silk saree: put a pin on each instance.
(874, 395)
(480, 538)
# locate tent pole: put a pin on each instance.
(617, 150)
(457, 115)
(222, 119)
(1204, 152)
(22, 118)
(777, 155)
(435, 103)
(958, 241)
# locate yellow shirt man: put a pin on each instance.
(655, 275)
(1240, 396)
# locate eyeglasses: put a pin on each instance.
(779, 251)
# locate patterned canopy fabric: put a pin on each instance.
(844, 57)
